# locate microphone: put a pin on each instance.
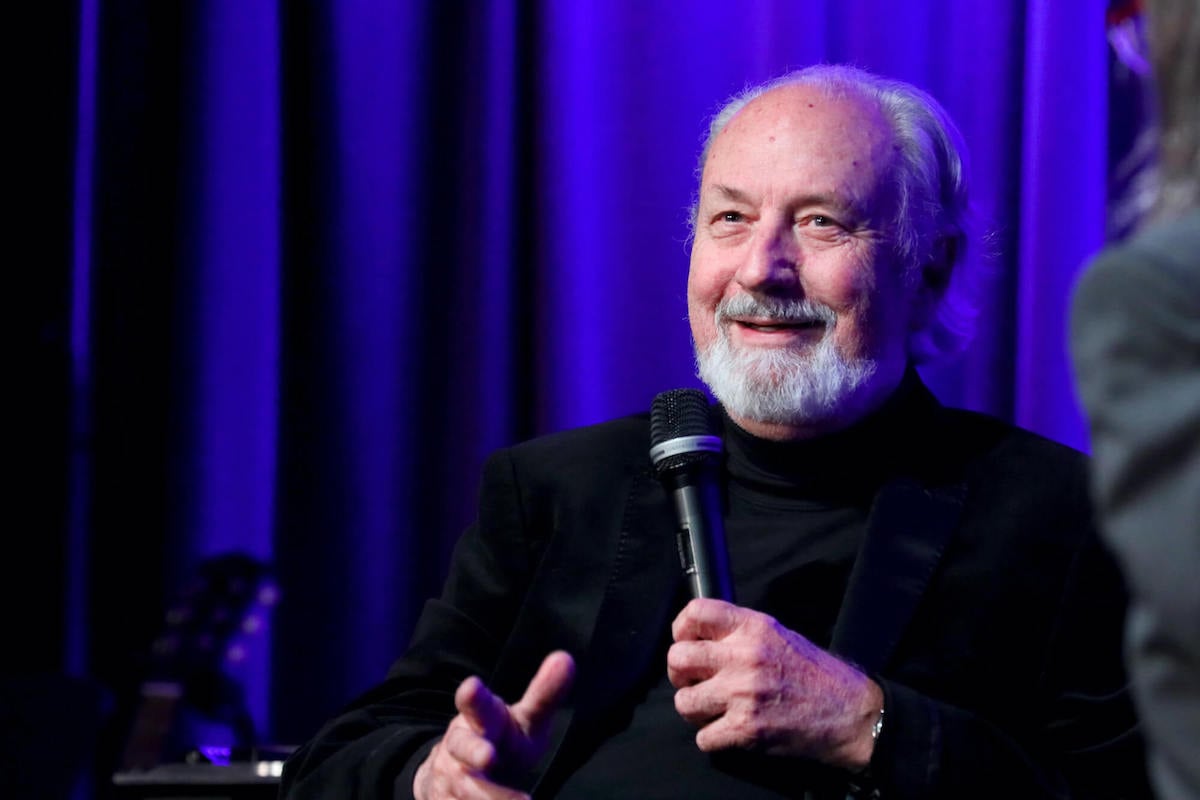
(686, 457)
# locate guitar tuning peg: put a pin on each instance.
(268, 595)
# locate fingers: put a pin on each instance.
(721, 735)
(770, 689)
(446, 778)
(546, 691)
(468, 747)
(457, 768)
(487, 732)
(699, 705)
(690, 662)
(705, 618)
(486, 713)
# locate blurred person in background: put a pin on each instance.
(1135, 344)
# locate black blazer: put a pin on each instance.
(980, 601)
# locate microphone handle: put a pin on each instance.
(701, 539)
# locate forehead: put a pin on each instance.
(801, 138)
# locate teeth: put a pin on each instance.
(780, 326)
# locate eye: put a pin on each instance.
(728, 223)
(820, 221)
(824, 223)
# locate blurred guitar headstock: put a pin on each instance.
(206, 632)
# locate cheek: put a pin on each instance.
(700, 316)
(704, 292)
(704, 275)
(844, 282)
(875, 324)
(851, 301)
(850, 289)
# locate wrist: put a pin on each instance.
(876, 729)
(869, 725)
(862, 780)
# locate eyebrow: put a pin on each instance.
(736, 195)
(732, 194)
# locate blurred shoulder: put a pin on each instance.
(1163, 259)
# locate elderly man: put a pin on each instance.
(922, 607)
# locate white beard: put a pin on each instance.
(780, 385)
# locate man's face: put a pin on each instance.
(793, 289)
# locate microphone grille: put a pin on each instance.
(677, 413)
(680, 431)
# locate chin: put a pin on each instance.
(783, 386)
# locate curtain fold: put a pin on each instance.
(228, 294)
(1064, 171)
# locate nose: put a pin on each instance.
(772, 259)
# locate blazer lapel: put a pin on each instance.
(631, 615)
(636, 605)
(907, 531)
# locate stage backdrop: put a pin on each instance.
(325, 256)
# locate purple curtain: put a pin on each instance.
(328, 255)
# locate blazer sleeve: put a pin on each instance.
(370, 751)
(1009, 679)
(1086, 745)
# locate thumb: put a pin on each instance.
(545, 692)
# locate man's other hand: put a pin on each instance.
(748, 682)
(487, 735)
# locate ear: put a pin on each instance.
(933, 279)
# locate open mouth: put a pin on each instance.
(782, 326)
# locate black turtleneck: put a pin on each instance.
(838, 467)
(796, 510)
(795, 519)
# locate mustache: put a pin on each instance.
(784, 311)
